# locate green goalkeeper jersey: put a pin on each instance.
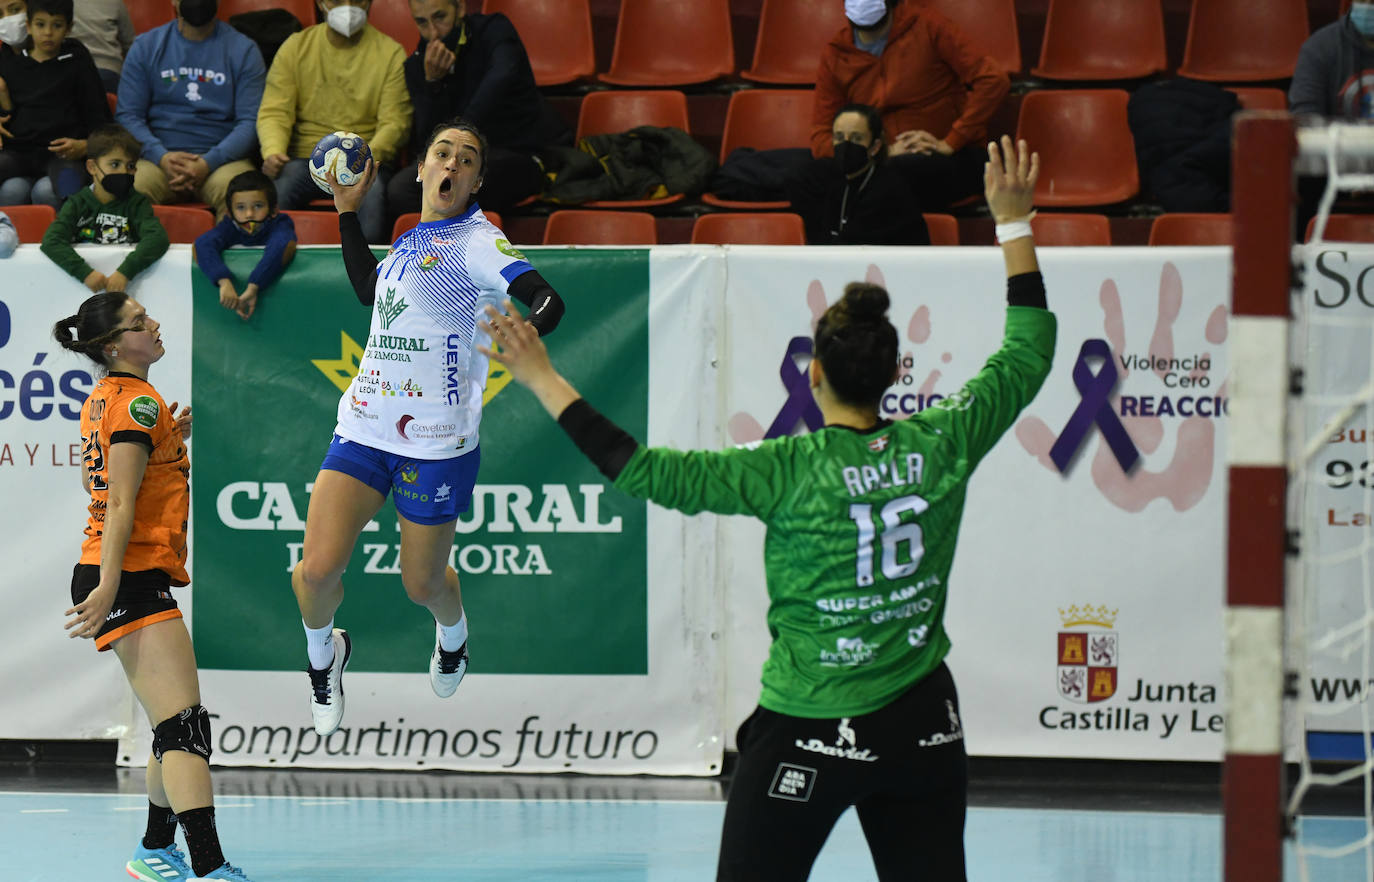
(861, 529)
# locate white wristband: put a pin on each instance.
(1017, 229)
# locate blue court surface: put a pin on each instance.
(549, 829)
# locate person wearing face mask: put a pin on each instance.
(934, 89)
(190, 92)
(342, 75)
(475, 66)
(251, 219)
(1332, 77)
(50, 99)
(108, 212)
(854, 197)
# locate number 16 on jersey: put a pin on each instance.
(898, 562)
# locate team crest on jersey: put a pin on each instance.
(429, 261)
(409, 473)
(390, 308)
(879, 444)
(143, 409)
(1088, 656)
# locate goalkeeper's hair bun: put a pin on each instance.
(93, 325)
(857, 345)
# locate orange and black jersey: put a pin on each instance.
(123, 408)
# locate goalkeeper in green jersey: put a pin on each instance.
(858, 707)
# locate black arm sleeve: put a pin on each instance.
(608, 446)
(362, 266)
(546, 307)
(1027, 289)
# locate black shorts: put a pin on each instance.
(902, 767)
(144, 598)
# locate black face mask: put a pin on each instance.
(851, 157)
(198, 13)
(118, 185)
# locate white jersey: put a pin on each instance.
(419, 386)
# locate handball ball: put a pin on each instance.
(344, 153)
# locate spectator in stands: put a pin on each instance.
(190, 93)
(251, 219)
(934, 89)
(104, 28)
(14, 25)
(1330, 81)
(345, 75)
(108, 212)
(9, 236)
(854, 197)
(475, 67)
(50, 97)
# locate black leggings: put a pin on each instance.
(902, 767)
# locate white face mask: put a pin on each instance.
(14, 28)
(347, 20)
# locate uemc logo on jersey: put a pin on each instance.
(1088, 655)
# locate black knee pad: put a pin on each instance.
(188, 731)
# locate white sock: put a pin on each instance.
(452, 637)
(319, 645)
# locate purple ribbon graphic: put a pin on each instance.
(1094, 408)
(799, 406)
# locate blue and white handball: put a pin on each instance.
(344, 153)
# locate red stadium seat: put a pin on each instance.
(1087, 154)
(1071, 229)
(1261, 98)
(575, 227)
(303, 10)
(1244, 40)
(1093, 40)
(494, 219)
(726, 228)
(990, 24)
(792, 34)
(145, 15)
(944, 229)
(317, 227)
(1345, 228)
(610, 112)
(30, 221)
(1192, 229)
(557, 35)
(671, 43)
(182, 223)
(111, 99)
(393, 18)
(764, 119)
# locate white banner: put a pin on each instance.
(1052, 566)
(56, 688)
(1118, 573)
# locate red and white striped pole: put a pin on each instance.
(1264, 147)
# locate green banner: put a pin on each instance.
(552, 560)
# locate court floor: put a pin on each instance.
(313, 827)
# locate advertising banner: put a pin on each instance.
(1086, 595)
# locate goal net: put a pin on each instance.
(1300, 600)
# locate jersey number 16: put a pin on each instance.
(894, 533)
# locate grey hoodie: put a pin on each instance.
(1335, 74)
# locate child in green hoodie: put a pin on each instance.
(108, 212)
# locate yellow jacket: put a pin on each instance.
(315, 88)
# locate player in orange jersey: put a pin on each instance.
(136, 472)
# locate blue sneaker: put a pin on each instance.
(227, 871)
(159, 864)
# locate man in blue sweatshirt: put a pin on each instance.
(190, 92)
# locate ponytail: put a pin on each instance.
(95, 324)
